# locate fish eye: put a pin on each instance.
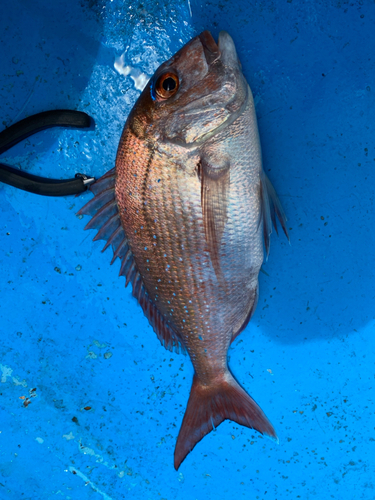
(167, 85)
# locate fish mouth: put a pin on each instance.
(211, 49)
(224, 49)
(228, 50)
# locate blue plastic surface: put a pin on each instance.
(90, 403)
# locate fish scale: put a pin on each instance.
(165, 238)
(189, 213)
(173, 200)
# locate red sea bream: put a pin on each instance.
(187, 210)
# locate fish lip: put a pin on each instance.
(227, 50)
(210, 47)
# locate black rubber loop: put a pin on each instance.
(35, 123)
(29, 126)
(42, 185)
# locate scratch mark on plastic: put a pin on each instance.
(87, 481)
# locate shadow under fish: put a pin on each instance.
(187, 210)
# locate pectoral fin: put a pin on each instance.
(270, 208)
(215, 179)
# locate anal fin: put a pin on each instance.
(253, 304)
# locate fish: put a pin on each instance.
(187, 209)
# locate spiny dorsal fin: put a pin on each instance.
(105, 217)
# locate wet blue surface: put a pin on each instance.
(90, 403)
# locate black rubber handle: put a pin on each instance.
(35, 123)
(29, 126)
(42, 185)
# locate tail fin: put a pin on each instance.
(208, 406)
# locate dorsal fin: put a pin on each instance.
(105, 217)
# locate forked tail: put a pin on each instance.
(210, 405)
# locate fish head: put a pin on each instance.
(197, 92)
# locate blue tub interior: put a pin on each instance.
(90, 403)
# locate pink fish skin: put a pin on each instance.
(187, 210)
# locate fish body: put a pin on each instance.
(187, 210)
